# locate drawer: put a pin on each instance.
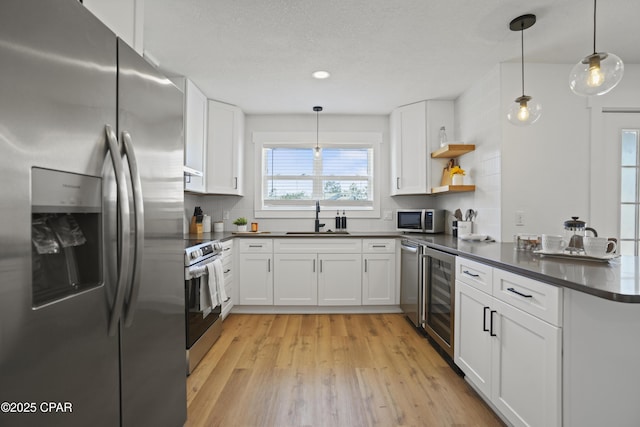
(256, 246)
(474, 274)
(228, 275)
(372, 246)
(227, 262)
(227, 249)
(536, 298)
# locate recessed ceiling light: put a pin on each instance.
(321, 74)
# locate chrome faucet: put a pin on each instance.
(318, 225)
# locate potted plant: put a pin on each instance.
(241, 223)
(457, 174)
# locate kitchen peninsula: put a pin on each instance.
(598, 321)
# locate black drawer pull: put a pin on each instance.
(491, 323)
(519, 293)
(484, 320)
(226, 271)
(379, 246)
(470, 273)
(255, 246)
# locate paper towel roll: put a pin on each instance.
(206, 224)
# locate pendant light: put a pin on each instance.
(525, 111)
(316, 151)
(597, 73)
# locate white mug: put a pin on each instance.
(598, 246)
(553, 243)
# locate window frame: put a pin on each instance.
(261, 140)
(635, 240)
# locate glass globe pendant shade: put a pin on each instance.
(525, 111)
(596, 74)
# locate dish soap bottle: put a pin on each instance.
(343, 223)
(443, 137)
(338, 221)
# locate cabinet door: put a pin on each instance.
(225, 141)
(339, 279)
(295, 279)
(526, 368)
(379, 279)
(409, 150)
(473, 343)
(228, 272)
(195, 136)
(256, 279)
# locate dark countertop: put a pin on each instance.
(618, 280)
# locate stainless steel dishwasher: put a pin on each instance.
(411, 279)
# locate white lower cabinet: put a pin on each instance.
(256, 272)
(296, 279)
(317, 272)
(228, 270)
(379, 279)
(512, 357)
(339, 279)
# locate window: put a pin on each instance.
(629, 192)
(292, 178)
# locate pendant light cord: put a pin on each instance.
(317, 127)
(594, 26)
(522, 54)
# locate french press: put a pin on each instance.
(574, 233)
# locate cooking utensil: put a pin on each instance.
(458, 214)
(470, 215)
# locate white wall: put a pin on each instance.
(244, 206)
(624, 97)
(549, 171)
(545, 167)
(553, 169)
(477, 113)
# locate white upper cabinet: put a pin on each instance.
(414, 134)
(225, 149)
(195, 134)
(124, 17)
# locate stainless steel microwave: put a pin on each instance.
(420, 220)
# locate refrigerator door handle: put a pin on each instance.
(123, 210)
(138, 213)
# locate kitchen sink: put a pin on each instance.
(317, 233)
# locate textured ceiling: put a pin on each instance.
(259, 54)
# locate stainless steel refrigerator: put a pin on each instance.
(92, 310)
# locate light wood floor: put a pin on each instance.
(328, 370)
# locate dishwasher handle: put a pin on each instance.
(409, 248)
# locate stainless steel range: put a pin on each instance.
(203, 321)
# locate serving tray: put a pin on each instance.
(567, 255)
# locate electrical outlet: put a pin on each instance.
(225, 214)
(519, 218)
(387, 215)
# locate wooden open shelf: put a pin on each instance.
(453, 189)
(450, 151)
